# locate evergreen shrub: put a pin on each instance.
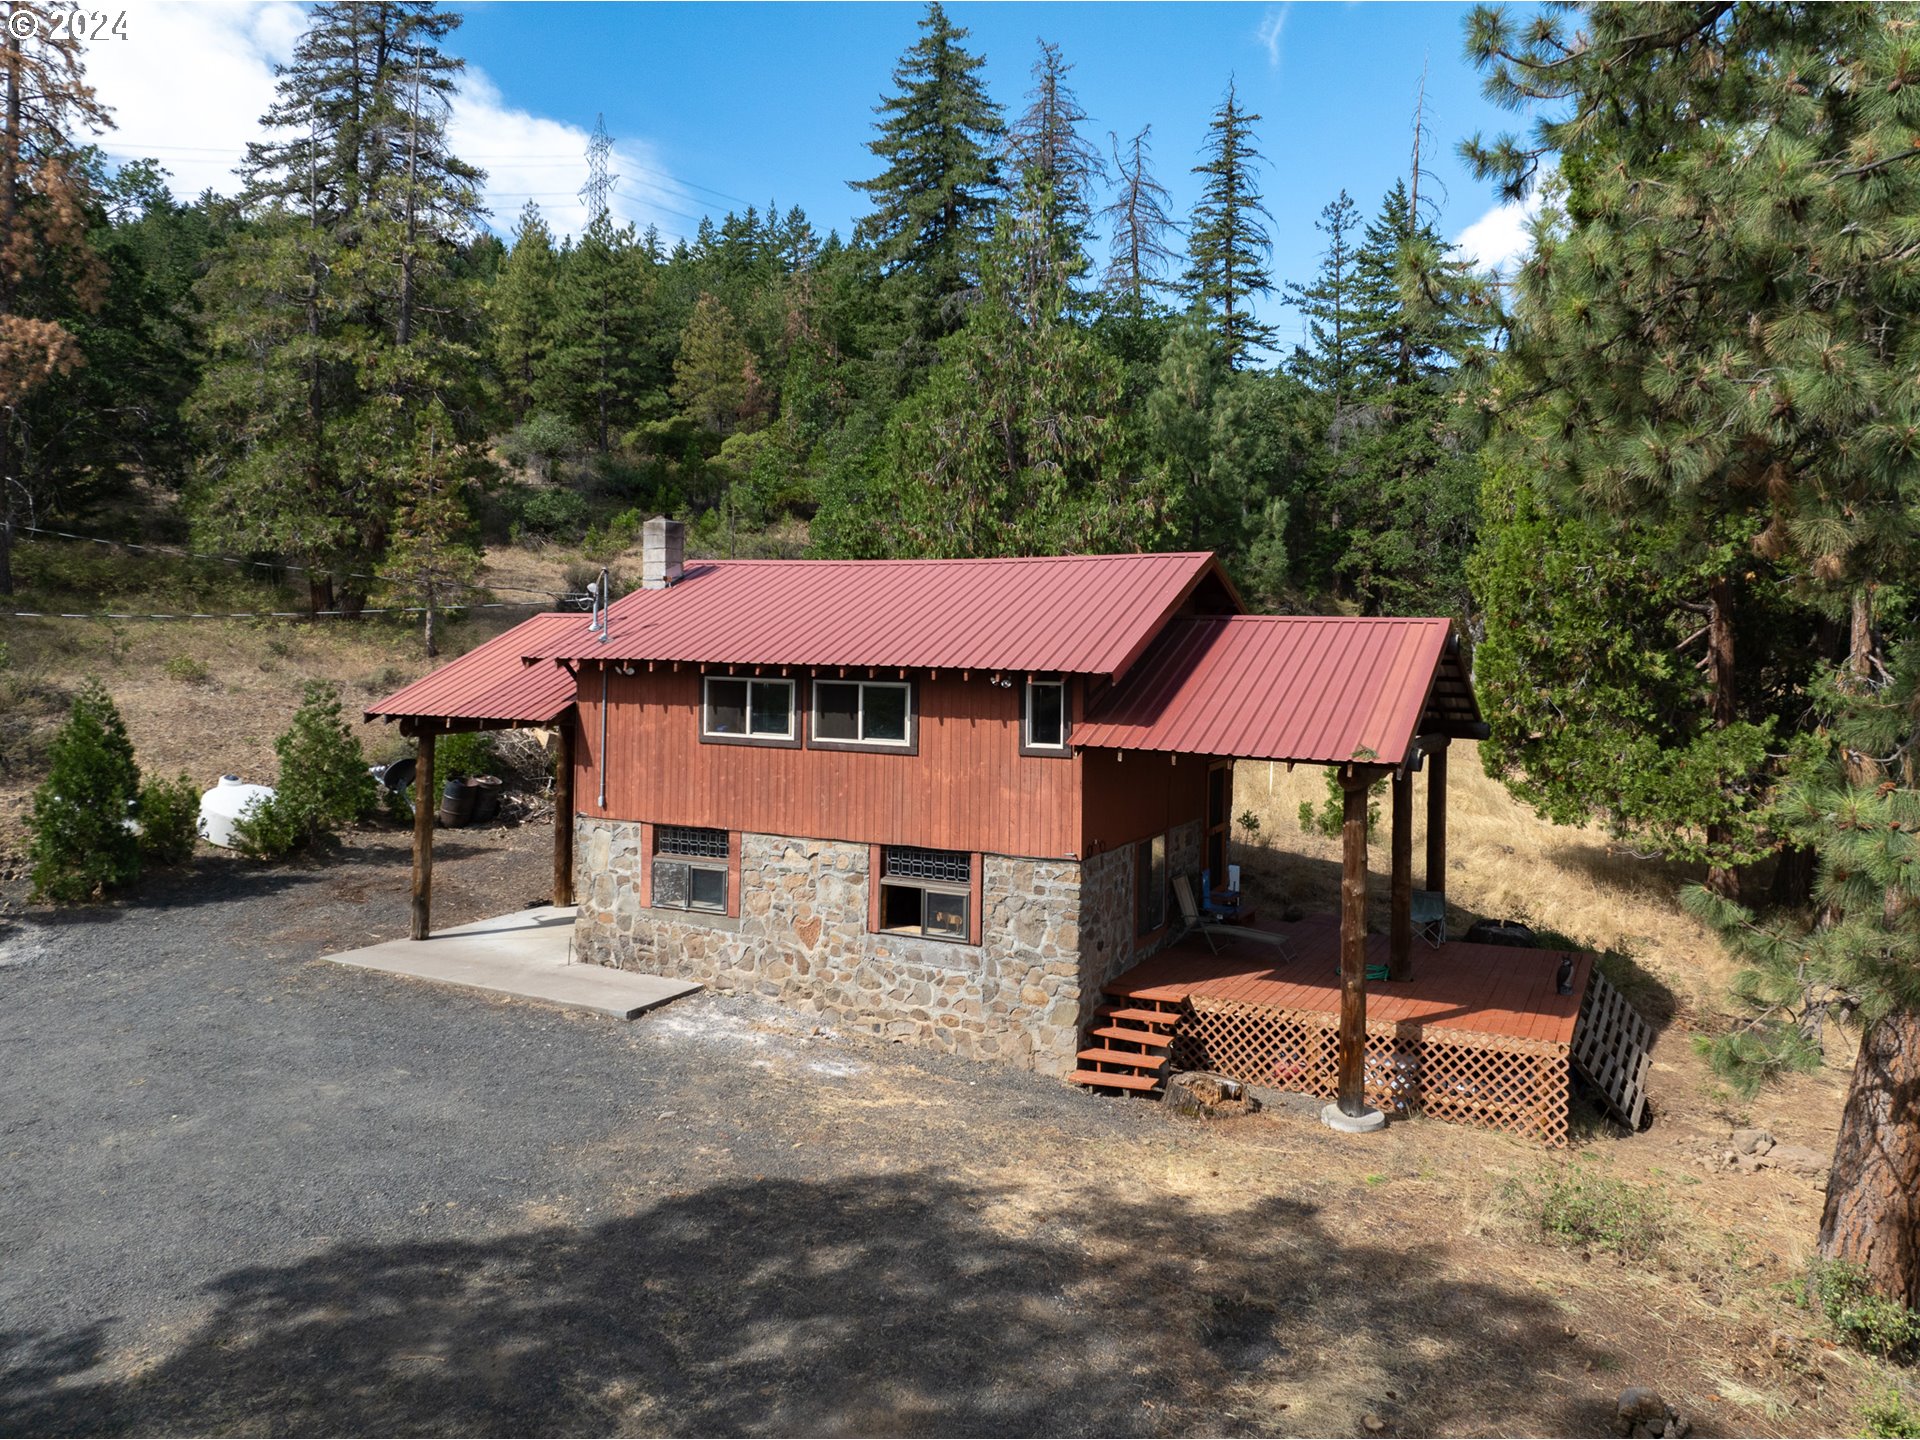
(81, 844)
(169, 819)
(324, 781)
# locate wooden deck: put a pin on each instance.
(1485, 989)
(1481, 1034)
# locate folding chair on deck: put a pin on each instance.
(1429, 916)
(1195, 920)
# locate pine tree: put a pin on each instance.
(1050, 157)
(81, 844)
(1719, 337)
(1858, 962)
(1227, 242)
(521, 307)
(1138, 225)
(46, 267)
(934, 199)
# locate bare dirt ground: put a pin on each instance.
(245, 1191)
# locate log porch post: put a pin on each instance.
(1351, 1102)
(424, 801)
(1400, 898)
(1436, 749)
(563, 814)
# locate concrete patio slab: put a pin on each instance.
(524, 955)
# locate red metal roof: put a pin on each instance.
(1083, 614)
(493, 681)
(1281, 687)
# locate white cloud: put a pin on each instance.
(190, 83)
(1501, 238)
(1271, 25)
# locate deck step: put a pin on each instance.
(1139, 1017)
(1134, 1058)
(1097, 1078)
(1131, 1036)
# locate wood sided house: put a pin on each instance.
(968, 803)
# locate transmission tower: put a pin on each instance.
(599, 181)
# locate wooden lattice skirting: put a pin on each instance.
(1496, 1082)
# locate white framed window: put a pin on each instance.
(1043, 717)
(876, 713)
(926, 892)
(742, 710)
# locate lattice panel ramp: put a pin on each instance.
(1612, 1047)
(1517, 1086)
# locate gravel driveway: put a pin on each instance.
(244, 1190)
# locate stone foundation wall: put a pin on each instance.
(801, 939)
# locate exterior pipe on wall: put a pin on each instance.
(602, 756)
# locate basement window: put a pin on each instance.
(690, 868)
(1043, 717)
(739, 709)
(862, 713)
(926, 892)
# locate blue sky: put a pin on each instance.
(713, 105)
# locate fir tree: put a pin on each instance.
(429, 558)
(601, 358)
(1011, 447)
(520, 307)
(1329, 361)
(324, 782)
(1397, 320)
(1227, 242)
(1051, 158)
(337, 316)
(934, 199)
(715, 382)
(1138, 225)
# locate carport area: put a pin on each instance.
(504, 684)
(527, 955)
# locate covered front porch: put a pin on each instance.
(1374, 699)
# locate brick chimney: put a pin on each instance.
(663, 553)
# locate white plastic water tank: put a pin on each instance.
(228, 801)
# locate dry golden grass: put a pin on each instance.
(1503, 861)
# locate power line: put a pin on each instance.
(276, 565)
(270, 614)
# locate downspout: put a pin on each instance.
(603, 735)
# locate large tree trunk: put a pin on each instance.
(1872, 1216)
(1722, 879)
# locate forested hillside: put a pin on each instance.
(1016, 350)
(1666, 476)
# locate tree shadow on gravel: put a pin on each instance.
(879, 1304)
